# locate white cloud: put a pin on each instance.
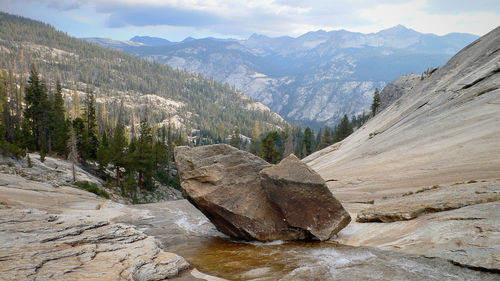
(415, 15)
(240, 18)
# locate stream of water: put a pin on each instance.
(185, 231)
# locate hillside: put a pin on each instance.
(149, 90)
(428, 165)
(313, 79)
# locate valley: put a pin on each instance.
(145, 160)
(313, 79)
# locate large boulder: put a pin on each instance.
(224, 184)
(240, 194)
(303, 198)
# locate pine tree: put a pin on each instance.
(160, 156)
(235, 138)
(344, 129)
(143, 157)
(90, 134)
(103, 152)
(4, 106)
(307, 142)
(376, 102)
(326, 139)
(170, 154)
(59, 125)
(78, 127)
(268, 148)
(117, 153)
(130, 187)
(37, 110)
(7, 126)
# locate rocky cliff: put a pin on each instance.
(428, 165)
(397, 88)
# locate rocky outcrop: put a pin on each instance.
(444, 132)
(303, 198)
(397, 88)
(224, 183)
(465, 231)
(62, 233)
(430, 200)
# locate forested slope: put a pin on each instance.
(194, 102)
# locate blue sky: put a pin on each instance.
(177, 19)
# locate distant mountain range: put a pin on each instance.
(127, 87)
(313, 79)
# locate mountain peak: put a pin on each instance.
(397, 29)
(256, 36)
(188, 39)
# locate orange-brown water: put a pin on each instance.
(184, 230)
(237, 260)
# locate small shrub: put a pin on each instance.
(427, 188)
(9, 149)
(472, 181)
(85, 185)
(10, 164)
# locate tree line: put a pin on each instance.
(136, 160)
(133, 161)
(207, 104)
(276, 145)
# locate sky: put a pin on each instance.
(177, 19)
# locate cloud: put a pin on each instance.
(415, 15)
(240, 18)
(461, 6)
(64, 5)
(164, 15)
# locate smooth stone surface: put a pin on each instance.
(224, 184)
(442, 132)
(303, 198)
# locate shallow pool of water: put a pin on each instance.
(185, 231)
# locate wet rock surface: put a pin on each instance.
(303, 198)
(184, 230)
(245, 197)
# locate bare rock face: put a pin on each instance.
(224, 183)
(430, 200)
(303, 198)
(63, 233)
(397, 88)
